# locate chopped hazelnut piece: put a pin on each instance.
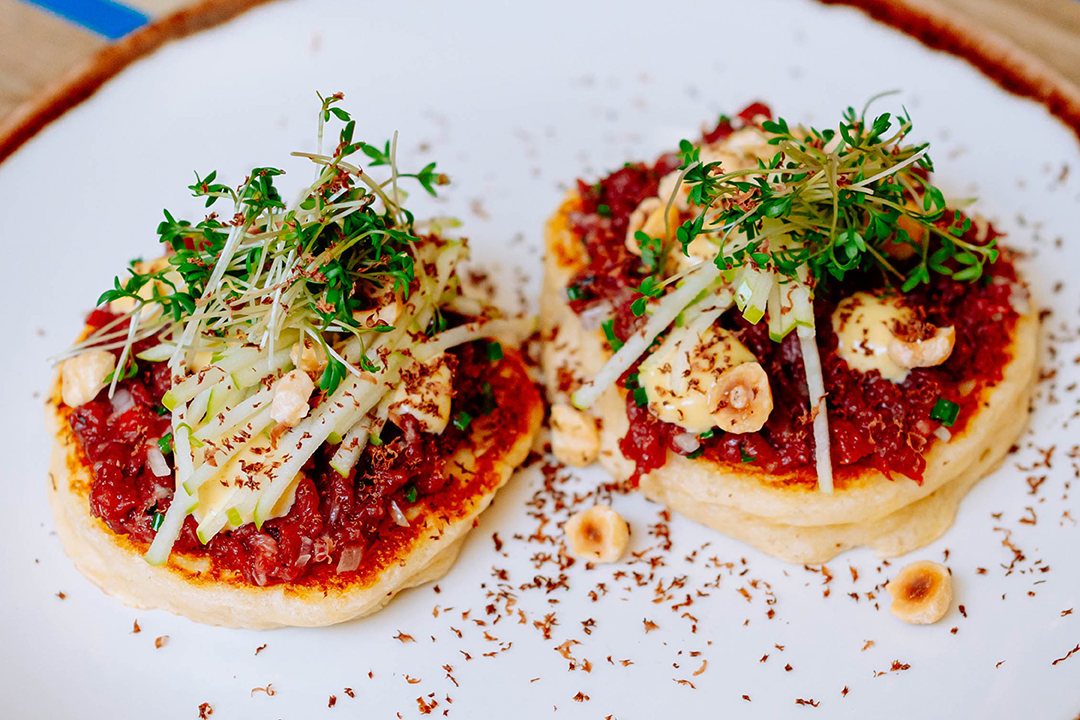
(598, 534)
(921, 593)
(84, 375)
(307, 355)
(574, 437)
(923, 353)
(291, 395)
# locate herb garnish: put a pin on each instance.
(945, 412)
(339, 281)
(834, 201)
(312, 268)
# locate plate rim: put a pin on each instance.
(1009, 66)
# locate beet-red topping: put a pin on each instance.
(871, 420)
(330, 514)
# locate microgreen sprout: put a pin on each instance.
(311, 266)
(834, 201)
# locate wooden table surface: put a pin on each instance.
(42, 41)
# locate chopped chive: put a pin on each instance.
(487, 399)
(746, 457)
(161, 410)
(603, 210)
(462, 419)
(609, 333)
(164, 443)
(155, 524)
(945, 412)
(632, 381)
(410, 493)
(574, 292)
(641, 397)
(696, 454)
(494, 351)
(710, 433)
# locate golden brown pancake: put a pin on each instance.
(201, 588)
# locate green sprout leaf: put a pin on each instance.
(609, 333)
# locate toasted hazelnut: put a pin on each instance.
(934, 350)
(921, 593)
(84, 375)
(308, 355)
(385, 311)
(650, 218)
(574, 437)
(291, 394)
(637, 221)
(598, 534)
(668, 184)
(741, 400)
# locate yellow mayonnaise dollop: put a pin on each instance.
(678, 377)
(864, 324)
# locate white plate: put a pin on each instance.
(515, 101)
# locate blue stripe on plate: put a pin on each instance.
(104, 17)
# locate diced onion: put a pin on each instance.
(399, 517)
(156, 461)
(687, 442)
(350, 559)
(323, 546)
(122, 401)
(592, 318)
(1020, 299)
(305, 551)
